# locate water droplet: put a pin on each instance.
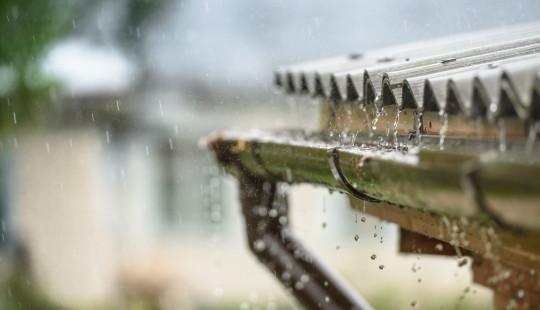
(375, 235)
(521, 294)
(259, 245)
(493, 107)
(414, 303)
(324, 225)
(419, 280)
(304, 278)
(327, 299)
(443, 130)
(502, 135)
(381, 267)
(356, 237)
(160, 108)
(325, 283)
(374, 257)
(439, 247)
(363, 219)
(289, 175)
(299, 286)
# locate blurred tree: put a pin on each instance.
(128, 24)
(139, 16)
(27, 28)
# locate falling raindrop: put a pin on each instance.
(531, 139)
(502, 135)
(381, 267)
(375, 120)
(259, 245)
(289, 175)
(444, 128)
(373, 257)
(356, 237)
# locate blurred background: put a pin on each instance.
(108, 202)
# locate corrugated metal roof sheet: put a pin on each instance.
(489, 73)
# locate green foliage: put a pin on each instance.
(27, 28)
(140, 14)
(20, 293)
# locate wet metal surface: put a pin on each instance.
(489, 74)
(439, 137)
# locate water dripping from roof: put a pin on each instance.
(444, 128)
(502, 134)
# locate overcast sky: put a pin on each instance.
(241, 42)
(247, 39)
